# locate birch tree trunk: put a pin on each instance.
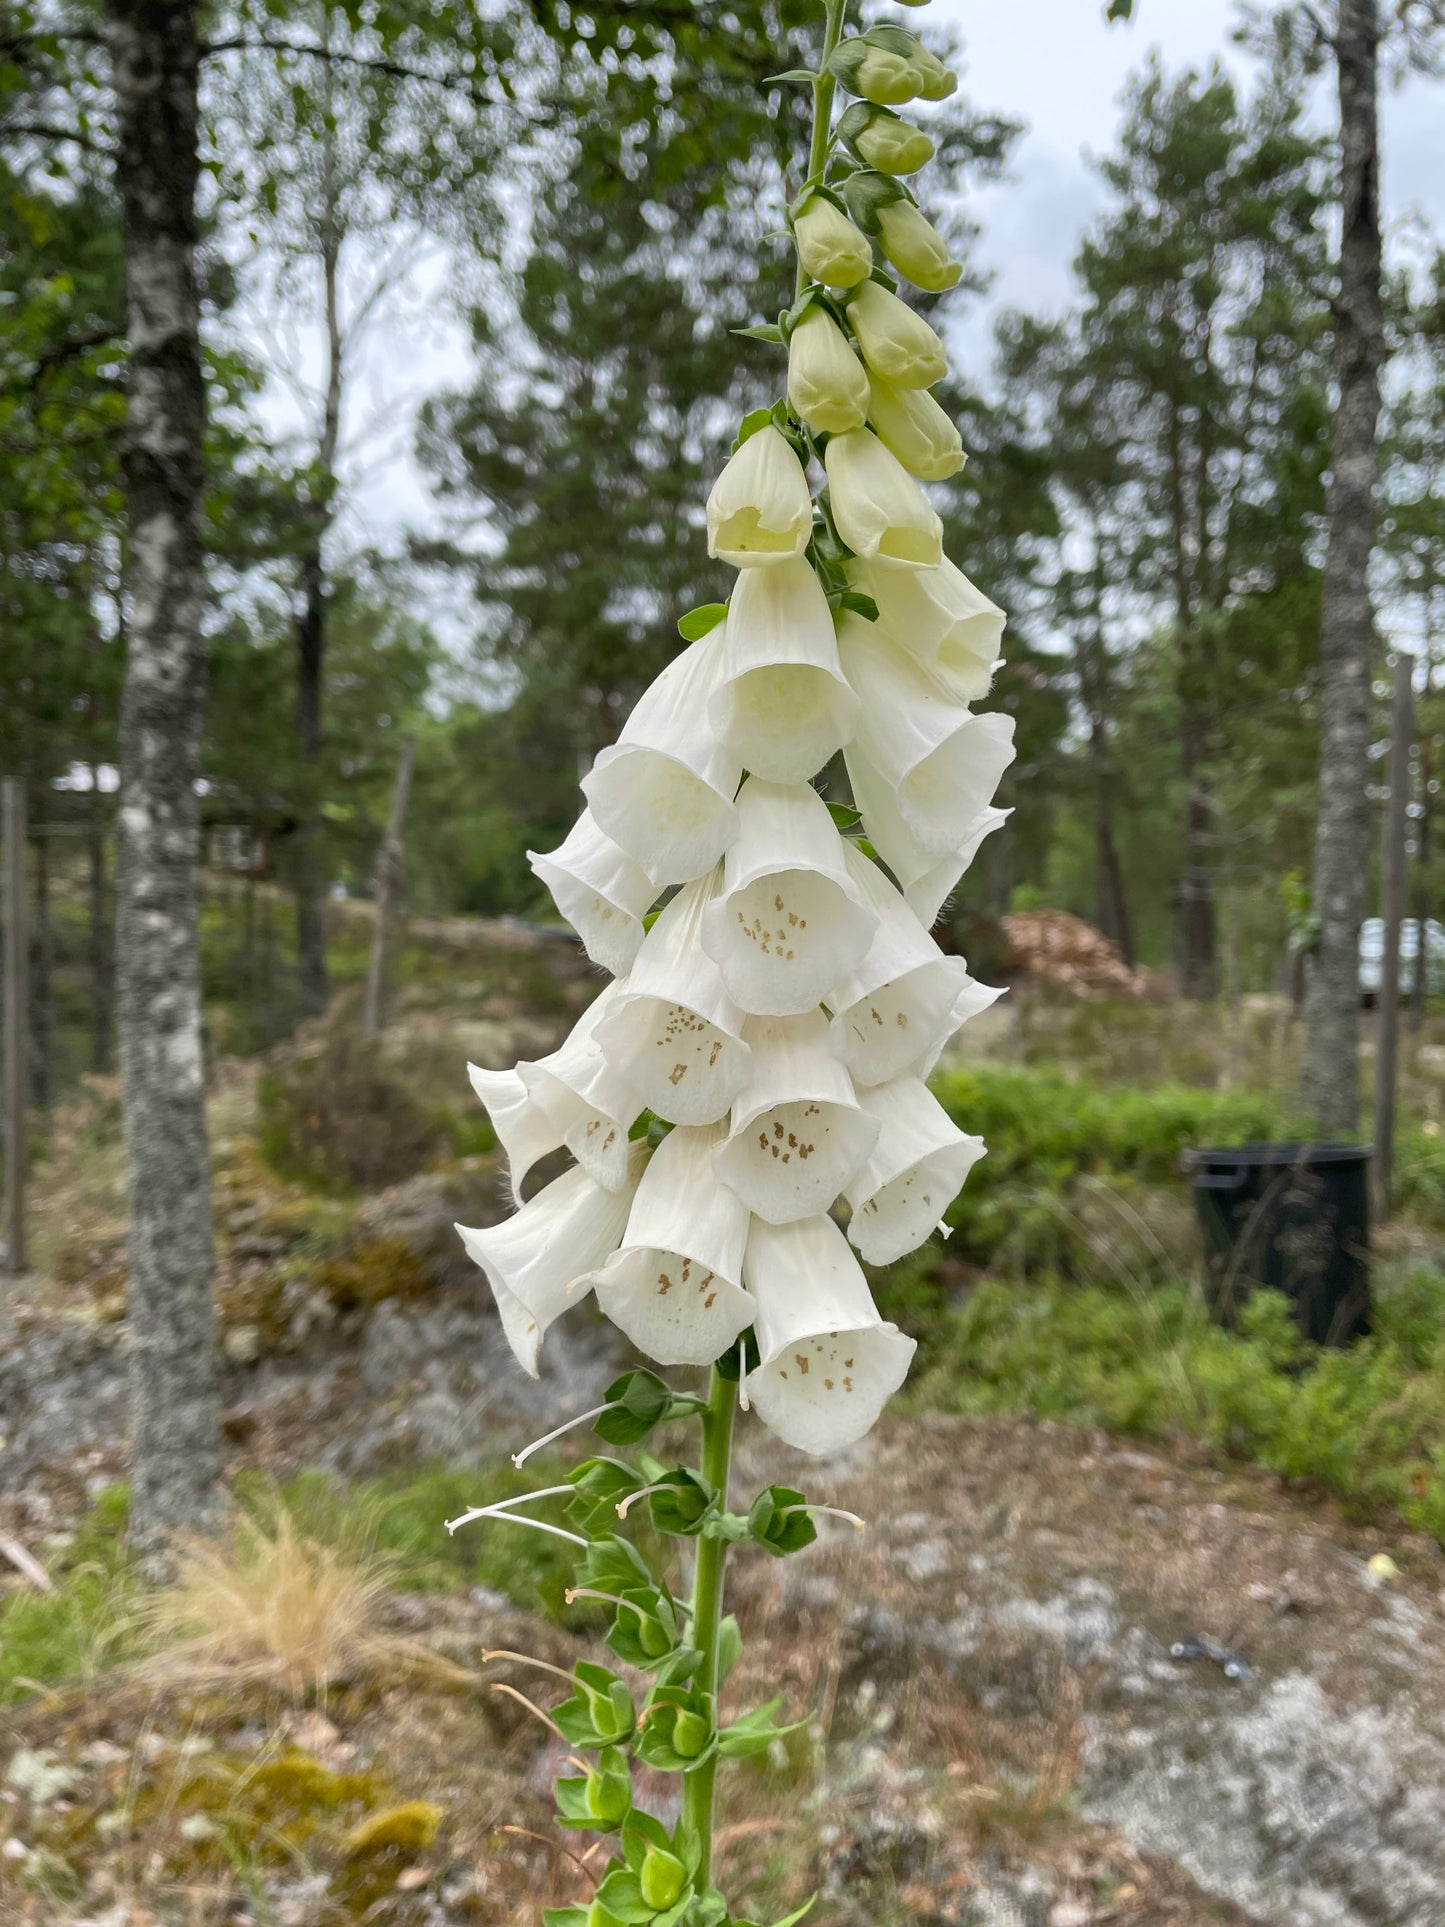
(175, 1404)
(1329, 1068)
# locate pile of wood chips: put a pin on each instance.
(1063, 953)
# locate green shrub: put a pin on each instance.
(338, 1120)
(50, 1637)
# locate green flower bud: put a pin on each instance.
(827, 387)
(892, 145)
(609, 1791)
(663, 1878)
(920, 434)
(937, 82)
(916, 248)
(830, 248)
(879, 74)
(690, 1734)
(897, 343)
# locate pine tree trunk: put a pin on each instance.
(175, 1407)
(1198, 955)
(100, 948)
(42, 969)
(1113, 904)
(1329, 1068)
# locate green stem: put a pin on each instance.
(707, 1603)
(824, 87)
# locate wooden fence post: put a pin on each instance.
(14, 907)
(1396, 828)
(388, 883)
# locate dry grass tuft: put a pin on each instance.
(268, 1604)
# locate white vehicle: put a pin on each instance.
(1372, 956)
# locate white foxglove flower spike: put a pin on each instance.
(896, 1012)
(600, 891)
(587, 1097)
(827, 1362)
(916, 1171)
(925, 880)
(910, 423)
(897, 343)
(532, 1258)
(782, 705)
(664, 790)
(760, 509)
(525, 1131)
(672, 1029)
(880, 511)
(940, 617)
(827, 387)
(798, 1133)
(944, 762)
(788, 921)
(674, 1286)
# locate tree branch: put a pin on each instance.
(46, 130)
(371, 63)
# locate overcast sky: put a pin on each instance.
(1054, 64)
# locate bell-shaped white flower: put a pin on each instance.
(601, 892)
(880, 511)
(525, 1130)
(588, 1096)
(674, 1285)
(925, 879)
(826, 383)
(915, 247)
(663, 792)
(939, 616)
(760, 509)
(533, 1258)
(788, 921)
(798, 1132)
(672, 1029)
(782, 706)
(897, 343)
(898, 1009)
(831, 249)
(827, 1362)
(944, 762)
(916, 1171)
(911, 423)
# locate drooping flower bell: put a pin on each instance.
(832, 250)
(827, 387)
(916, 248)
(760, 510)
(910, 423)
(897, 343)
(879, 510)
(599, 890)
(781, 704)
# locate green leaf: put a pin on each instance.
(621, 1894)
(727, 1365)
(729, 1647)
(767, 331)
(613, 1564)
(860, 604)
(682, 1505)
(844, 815)
(752, 424)
(636, 1402)
(601, 1485)
(701, 621)
(754, 1733)
(678, 1732)
(564, 1917)
(793, 73)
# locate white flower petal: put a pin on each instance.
(675, 1284)
(760, 509)
(672, 1030)
(827, 1361)
(601, 892)
(919, 432)
(944, 763)
(533, 1259)
(925, 880)
(827, 387)
(664, 790)
(898, 1009)
(880, 511)
(588, 1098)
(798, 1133)
(917, 1168)
(525, 1130)
(939, 615)
(782, 706)
(788, 921)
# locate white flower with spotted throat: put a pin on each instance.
(674, 1286)
(827, 1362)
(788, 919)
(798, 1132)
(925, 878)
(599, 890)
(673, 1029)
(760, 510)
(663, 792)
(781, 705)
(917, 1168)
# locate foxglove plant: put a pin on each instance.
(778, 998)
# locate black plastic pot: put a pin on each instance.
(1295, 1217)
